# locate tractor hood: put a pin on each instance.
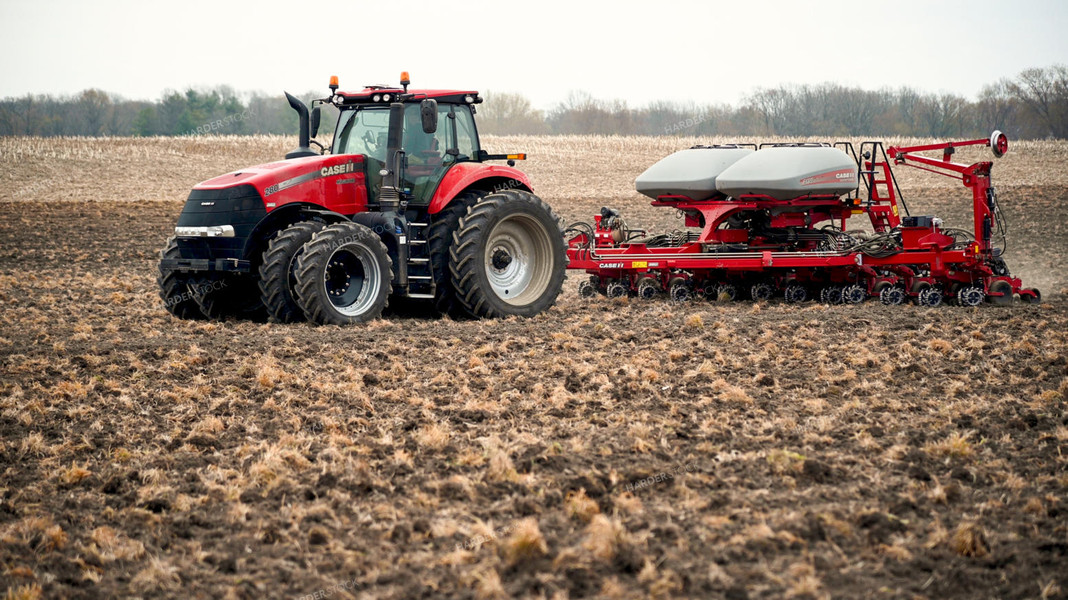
(336, 182)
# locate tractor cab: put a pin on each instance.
(363, 128)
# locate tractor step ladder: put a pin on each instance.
(420, 270)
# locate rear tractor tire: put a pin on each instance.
(278, 273)
(507, 256)
(174, 287)
(343, 276)
(439, 240)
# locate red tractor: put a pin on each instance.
(404, 205)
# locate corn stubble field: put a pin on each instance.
(618, 449)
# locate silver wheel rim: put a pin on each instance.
(352, 279)
(518, 260)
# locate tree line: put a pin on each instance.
(93, 112)
(1032, 105)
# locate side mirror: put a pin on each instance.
(316, 115)
(428, 110)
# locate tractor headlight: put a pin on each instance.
(376, 98)
(385, 97)
(209, 231)
(469, 98)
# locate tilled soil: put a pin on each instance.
(611, 448)
(618, 448)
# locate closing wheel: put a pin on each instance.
(680, 292)
(970, 296)
(507, 256)
(648, 289)
(587, 289)
(726, 292)
(761, 291)
(892, 295)
(929, 296)
(616, 290)
(854, 294)
(1000, 293)
(831, 294)
(1030, 296)
(795, 293)
(343, 276)
(278, 274)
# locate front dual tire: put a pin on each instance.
(343, 276)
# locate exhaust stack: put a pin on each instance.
(305, 129)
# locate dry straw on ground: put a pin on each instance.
(804, 451)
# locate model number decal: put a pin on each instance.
(323, 172)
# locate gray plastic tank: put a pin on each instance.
(785, 173)
(691, 173)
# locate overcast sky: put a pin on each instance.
(636, 51)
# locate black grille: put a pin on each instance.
(240, 206)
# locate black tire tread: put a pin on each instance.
(173, 284)
(464, 259)
(274, 282)
(439, 240)
(238, 296)
(318, 250)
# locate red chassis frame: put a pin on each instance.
(926, 261)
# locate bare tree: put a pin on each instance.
(506, 113)
(1044, 95)
(997, 108)
(94, 109)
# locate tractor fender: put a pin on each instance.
(480, 176)
(282, 217)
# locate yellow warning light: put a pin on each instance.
(333, 83)
(517, 157)
(405, 79)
